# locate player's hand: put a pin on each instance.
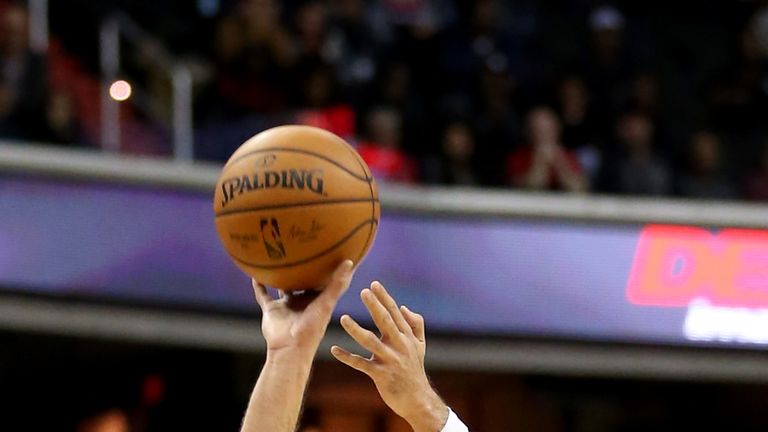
(396, 365)
(296, 323)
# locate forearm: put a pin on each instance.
(537, 177)
(574, 183)
(571, 180)
(277, 398)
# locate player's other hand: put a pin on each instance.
(294, 324)
(396, 365)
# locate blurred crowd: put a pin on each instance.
(573, 96)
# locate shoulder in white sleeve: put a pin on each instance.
(454, 424)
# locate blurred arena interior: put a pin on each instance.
(574, 196)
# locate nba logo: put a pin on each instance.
(270, 232)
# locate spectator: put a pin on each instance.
(703, 178)
(359, 40)
(645, 97)
(22, 73)
(396, 89)
(456, 165)
(320, 104)
(607, 68)
(573, 107)
(60, 125)
(635, 168)
(382, 150)
(254, 56)
(644, 94)
(579, 130)
(497, 123)
(739, 98)
(418, 29)
(757, 181)
(313, 33)
(544, 163)
(487, 40)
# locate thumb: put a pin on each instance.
(338, 285)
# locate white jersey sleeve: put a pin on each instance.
(454, 424)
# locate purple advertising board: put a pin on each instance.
(497, 276)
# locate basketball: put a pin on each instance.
(292, 203)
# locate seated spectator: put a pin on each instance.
(644, 94)
(497, 124)
(757, 181)
(645, 97)
(703, 177)
(487, 37)
(319, 104)
(358, 38)
(254, 55)
(544, 163)
(382, 151)
(739, 97)
(574, 110)
(580, 133)
(608, 65)
(455, 166)
(312, 33)
(395, 88)
(59, 125)
(636, 168)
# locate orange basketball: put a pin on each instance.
(292, 203)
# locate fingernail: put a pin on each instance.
(348, 264)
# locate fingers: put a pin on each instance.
(381, 317)
(389, 303)
(352, 360)
(338, 284)
(262, 296)
(416, 322)
(365, 338)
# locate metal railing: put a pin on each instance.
(116, 29)
(202, 176)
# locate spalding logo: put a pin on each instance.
(299, 179)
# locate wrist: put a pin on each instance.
(294, 357)
(429, 413)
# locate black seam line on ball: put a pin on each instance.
(360, 163)
(292, 205)
(306, 152)
(308, 259)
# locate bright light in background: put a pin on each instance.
(120, 90)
